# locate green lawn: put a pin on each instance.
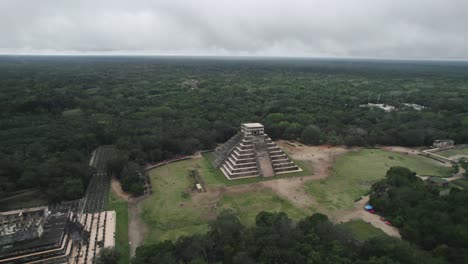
(362, 230)
(214, 176)
(120, 206)
(167, 213)
(170, 215)
(248, 205)
(453, 152)
(353, 174)
(463, 183)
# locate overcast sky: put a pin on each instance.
(421, 29)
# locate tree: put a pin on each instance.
(311, 135)
(107, 255)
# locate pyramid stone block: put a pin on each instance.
(252, 153)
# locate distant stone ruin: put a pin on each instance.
(443, 143)
(252, 153)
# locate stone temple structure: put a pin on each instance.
(252, 153)
(55, 234)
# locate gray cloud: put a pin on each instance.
(339, 28)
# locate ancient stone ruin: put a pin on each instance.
(443, 143)
(69, 232)
(252, 153)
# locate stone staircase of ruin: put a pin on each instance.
(253, 156)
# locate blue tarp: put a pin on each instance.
(368, 207)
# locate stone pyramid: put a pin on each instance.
(252, 153)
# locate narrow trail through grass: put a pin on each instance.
(120, 206)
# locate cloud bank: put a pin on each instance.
(419, 29)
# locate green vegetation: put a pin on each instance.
(435, 222)
(129, 174)
(120, 206)
(437, 225)
(107, 256)
(248, 205)
(453, 152)
(56, 110)
(170, 214)
(276, 238)
(362, 230)
(353, 174)
(463, 183)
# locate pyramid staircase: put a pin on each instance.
(252, 153)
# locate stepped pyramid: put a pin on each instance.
(252, 153)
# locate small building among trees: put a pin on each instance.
(443, 143)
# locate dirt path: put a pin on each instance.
(136, 227)
(399, 149)
(358, 212)
(320, 158)
(459, 175)
(117, 188)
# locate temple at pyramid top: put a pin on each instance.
(252, 153)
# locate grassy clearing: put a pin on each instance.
(462, 183)
(362, 230)
(248, 205)
(453, 152)
(169, 214)
(353, 174)
(120, 206)
(215, 177)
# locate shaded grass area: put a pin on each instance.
(170, 213)
(248, 205)
(453, 152)
(354, 173)
(462, 183)
(361, 230)
(216, 178)
(120, 206)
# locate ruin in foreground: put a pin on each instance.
(70, 232)
(252, 153)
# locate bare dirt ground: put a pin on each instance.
(358, 212)
(136, 227)
(399, 149)
(115, 186)
(320, 158)
(457, 176)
